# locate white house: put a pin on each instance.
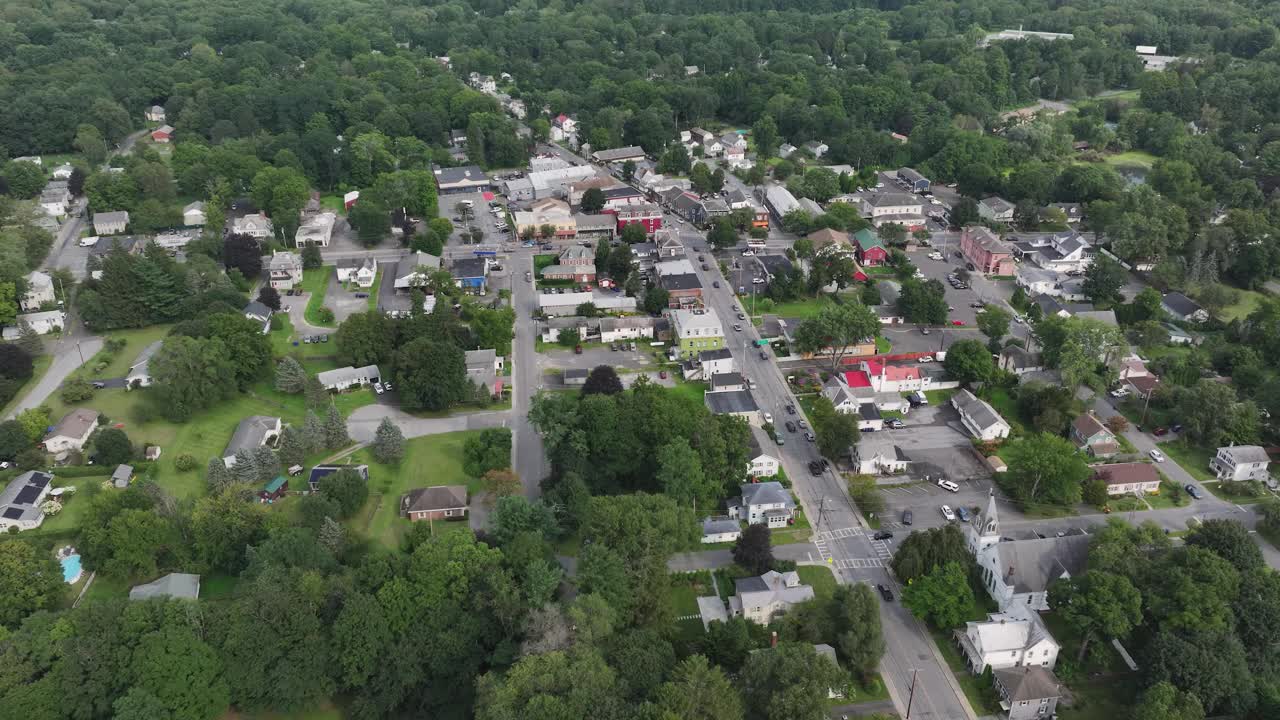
(996, 209)
(760, 599)
(39, 291)
(1021, 568)
(193, 214)
(1183, 308)
(346, 377)
(1240, 462)
(1067, 251)
(63, 171)
(978, 417)
(1016, 637)
(110, 223)
(140, 372)
(255, 225)
(715, 362)
(72, 431)
(766, 502)
(284, 270)
(817, 148)
(252, 433)
(155, 113)
(361, 272)
(878, 454)
(21, 499)
(54, 200)
(260, 314)
(316, 229)
(415, 271)
(42, 323)
(761, 463)
(720, 529)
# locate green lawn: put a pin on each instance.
(798, 532)
(883, 345)
(1215, 487)
(333, 203)
(1194, 460)
(820, 578)
(373, 290)
(315, 357)
(802, 308)
(1170, 496)
(316, 282)
(939, 397)
(692, 390)
(686, 588)
(1133, 158)
(108, 365)
(543, 260)
(1004, 404)
(1100, 699)
(39, 366)
(1248, 302)
(428, 461)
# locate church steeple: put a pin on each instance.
(990, 520)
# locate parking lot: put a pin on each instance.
(480, 217)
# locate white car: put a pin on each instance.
(757, 281)
(386, 386)
(1156, 455)
(1122, 392)
(947, 514)
(925, 359)
(89, 241)
(377, 387)
(748, 253)
(768, 418)
(948, 485)
(935, 256)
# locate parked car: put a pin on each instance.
(810, 437)
(662, 374)
(885, 593)
(362, 295)
(1160, 431)
(948, 485)
(1176, 428)
(802, 423)
(377, 387)
(1193, 491)
(742, 316)
(702, 258)
(715, 284)
(577, 349)
(791, 427)
(386, 386)
(737, 327)
(1156, 455)
(947, 514)
(768, 418)
(764, 355)
(791, 409)
(907, 517)
(924, 331)
(925, 359)
(962, 513)
(882, 535)
(1119, 393)
(894, 423)
(705, 267)
(98, 384)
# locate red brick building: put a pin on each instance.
(646, 214)
(989, 254)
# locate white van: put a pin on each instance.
(948, 485)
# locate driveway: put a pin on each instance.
(363, 422)
(560, 358)
(68, 355)
(343, 302)
(388, 298)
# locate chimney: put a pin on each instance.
(1009, 574)
(773, 639)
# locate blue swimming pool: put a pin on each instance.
(71, 568)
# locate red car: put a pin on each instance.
(958, 323)
(1160, 431)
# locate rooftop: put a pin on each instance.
(731, 401)
(982, 414)
(174, 585)
(1126, 473)
(440, 497)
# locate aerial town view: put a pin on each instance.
(639, 360)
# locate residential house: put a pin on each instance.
(647, 215)
(54, 200)
(344, 378)
(620, 196)
(634, 153)
(39, 292)
(563, 128)
(762, 464)
(110, 223)
(1028, 693)
(817, 148)
(827, 241)
(592, 226)
(1073, 211)
(669, 245)
(877, 454)
(686, 204)
(683, 290)
(320, 472)
(284, 270)
(1050, 307)
(1128, 478)
(696, 330)
(469, 178)
(996, 209)
(1090, 435)
(720, 529)
(72, 431)
(882, 207)
(350, 198)
(1064, 252)
(786, 149)
(274, 489)
(1178, 336)
(912, 180)
(987, 253)
(470, 274)
(140, 372)
(1142, 385)
(829, 653)
(715, 362)
(738, 403)
(766, 503)
(553, 304)
(1240, 462)
(155, 113)
(315, 229)
(598, 182)
(121, 476)
(577, 263)
(871, 252)
(484, 368)
(761, 599)
(780, 201)
(21, 500)
(724, 382)
(869, 418)
(259, 313)
(255, 225)
(614, 329)
(1020, 566)
(414, 271)
(978, 417)
(1013, 638)
(42, 323)
(443, 502)
(162, 134)
(252, 433)
(361, 271)
(174, 586)
(1020, 361)
(1180, 307)
(193, 214)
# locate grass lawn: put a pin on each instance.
(1194, 460)
(107, 365)
(316, 282)
(373, 290)
(820, 578)
(883, 345)
(1004, 404)
(691, 390)
(218, 587)
(1215, 487)
(802, 308)
(939, 397)
(39, 366)
(1170, 496)
(428, 461)
(796, 533)
(1100, 699)
(1249, 300)
(1133, 158)
(543, 260)
(315, 357)
(333, 203)
(686, 588)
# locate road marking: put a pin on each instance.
(839, 533)
(858, 563)
(882, 549)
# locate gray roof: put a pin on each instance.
(997, 204)
(575, 373)
(122, 473)
(979, 411)
(911, 175)
(1032, 565)
(729, 378)
(622, 153)
(888, 199)
(184, 586)
(467, 174)
(74, 424)
(1180, 304)
(717, 525)
(414, 263)
(1246, 453)
(484, 358)
(718, 354)
(440, 497)
(732, 401)
(1027, 683)
(257, 309)
(1048, 305)
(340, 375)
(114, 216)
(469, 267)
(18, 499)
(869, 411)
(684, 281)
(1021, 357)
(766, 493)
(250, 433)
(595, 222)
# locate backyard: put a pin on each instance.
(428, 461)
(113, 365)
(316, 282)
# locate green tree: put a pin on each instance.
(602, 379)
(347, 488)
(290, 377)
(1163, 701)
(765, 135)
(191, 374)
(1103, 280)
(656, 300)
(699, 690)
(13, 439)
(577, 683)
(293, 447)
(993, 321)
(216, 475)
(753, 549)
(388, 442)
(722, 235)
(1229, 540)
(943, 597)
(631, 234)
(90, 143)
(789, 682)
(835, 432)
(923, 302)
(969, 361)
(30, 580)
(1044, 469)
(490, 450)
(837, 329)
(1097, 603)
(112, 447)
(335, 429)
(366, 338)
(592, 200)
(35, 421)
(371, 219)
(311, 257)
(431, 375)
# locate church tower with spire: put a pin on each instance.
(984, 529)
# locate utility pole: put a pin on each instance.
(912, 697)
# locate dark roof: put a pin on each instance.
(684, 281)
(1126, 473)
(320, 471)
(441, 497)
(982, 414)
(1088, 425)
(729, 378)
(1027, 683)
(1048, 305)
(774, 264)
(732, 401)
(468, 267)
(468, 173)
(869, 411)
(1180, 304)
(1037, 563)
(718, 354)
(257, 309)
(621, 191)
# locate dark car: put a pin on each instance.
(906, 517)
(815, 468)
(791, 427)
(867, 429)
(715, 284)
(705, 267)
(1193, 491)
(882, 535)
(362, 295)
(1176, 428)
(701, 259)
(791, 409)
(764, 355)
(885, 593)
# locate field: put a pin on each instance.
(315, 357)
(1194, 460)
(428, 461)
(136, 341)
(1248, 302)
(820, 578)
(1133, 158)
(316, 282)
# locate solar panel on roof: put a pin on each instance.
(27, 495)
(38, 481)
(12, 513)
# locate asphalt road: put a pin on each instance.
(530, 461)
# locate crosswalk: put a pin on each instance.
(823, 541)
(857, 563)
(840, 533)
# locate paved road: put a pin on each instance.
(69, 353)
(528, 457)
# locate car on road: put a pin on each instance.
(935, 255)
(362, 295)
(377, 387)
(802, 424)
(791, 427)
(702, 258)
(386, 386)
(907, 517)
(885, 592)
(1119, 393)
(958, 323)
(882, 535)
(1193, 491)
(924, 331)
(1156, 455)
(747, 253)
(98, 384)
(768, 418)
(947, 514)
(764, 355)
(977, 305)
(791, 409)
(815, 468)
(894, 424)
(742, 316)
(777, 437)
(810, 436)
(1019, 319)
(737, 327)
(705, 267)
(577, 349)
(758, 281)
(1160, 431)
(925, 359)
(715, 284)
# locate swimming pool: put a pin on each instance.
(71, 568)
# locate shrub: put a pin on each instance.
(113, 345)
(76, 390)
(325, 315)
(184, 463)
